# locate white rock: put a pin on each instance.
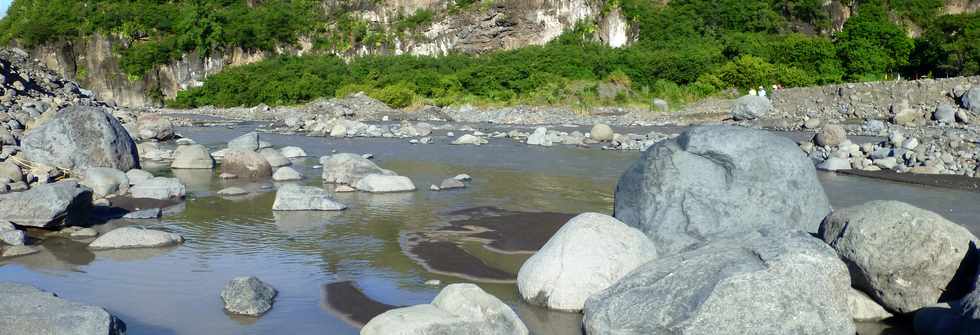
(131, 237)
(292, 152)
(377, 183)
(286, 173)
(305, 198)
(458, 309)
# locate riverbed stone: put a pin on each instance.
(133, 237)
(154, 127)
(286, 173)
(762, 283)
(458, 309)
(957, 317)
(347, 168)
(194, 156)
(587, 255)
(450, 184)
(539, 137)
(305, 198)
(160, 188)
(26, 310)
(10, 170)
(292, 152)
(248, 296)
(377, 183)
(902, 256)
(470, 139)
(863, 308)
(601, 132)
(13, 237)
(151, 213)
(945, 113)
(81, 137)
(750, 107)
(247, 142)
(47, 205)
(105, 181)
(971, 99)
(232, 191)
(137, 176)
(246, 164)
(714, 181)
(830, 135)
(274, 157)
(835, 164)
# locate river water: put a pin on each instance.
(175, 290)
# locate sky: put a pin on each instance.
(3, 7)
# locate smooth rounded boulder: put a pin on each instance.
(154, 127)
(247, 142)
(601, 132)
(105, 181)
(587, 255)
(248, 296)
(26, 310)
(831, 135)
(763, 283)
(246, 164)
(377, 183)
(458, 309)
(194, 156)
(305, 198)
(81, 137)
(160, 188)
(346, 168)
(717, 181)
(132, 237)
(286, 173)
(274, 157)
(902, 256)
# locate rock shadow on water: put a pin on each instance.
(347, 302)
(197, 181)
(133, 254)
(448, 258)
(506, 231)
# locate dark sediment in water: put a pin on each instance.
(956, 182)
(508, 231)
(447, 258)
(348, 302)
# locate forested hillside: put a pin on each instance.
(680, 51)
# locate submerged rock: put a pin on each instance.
(25, 310)
(716, 181)
(770, 283)
(81, 137)
(458, 309)
(248, 296)
(105, 181)
(232, 191)
(346, 168)
(292, 152)
(902, 256)
(305, 198)
(376, 183)
(47, 205)
(160, 188)
(587, 255)
(132, 237)
(451, 183)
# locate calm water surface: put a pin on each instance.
(175, 290)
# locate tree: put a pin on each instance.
(871, 46)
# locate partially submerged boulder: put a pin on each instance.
(132, 237)
(770, 283)
(248, 296)
(717, 181)
(305, 198)
(48, 205)
(902, 256)
(194, 156)
(379, 183)
(247, 142)
(458, 309)
(160, 188)
(25, 310)
(246, 164)
(587, 255)
(105, 181)
(274, 157)
(346, 168)
(81, 137)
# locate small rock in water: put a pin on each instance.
(344, 189)
(450, 184)
(378, 183)
(433, 188)
(131, 237)
(367, 156)
(20, 250)
(463, 177)
(433, 282)
(151, 213)
(248, 296)
(286, 174)
(232, 191)
(293, 152)
(84, 233)
(13, 237)
(185, 141)
(305, 198)
(227, 176)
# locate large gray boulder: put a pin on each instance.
(248, 296)
(25, 310)
(160, 188)
(274, 157)
(750, 107)
(769, 283)
(717, 181)
(831, 135)
(105, 181)
(154, 127)
(132, 237)
(458, 309)
(305, 198)
(958, 317)
(902, 256)
(81, 137)
(971, 99)
(587, 255)
(379, 183)
(247, 142)
(246, 164)
(194, 156)
(48, 205)
(345, 168)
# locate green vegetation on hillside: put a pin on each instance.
(684, 51)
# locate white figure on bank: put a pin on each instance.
(762, 92)
(752, 92)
